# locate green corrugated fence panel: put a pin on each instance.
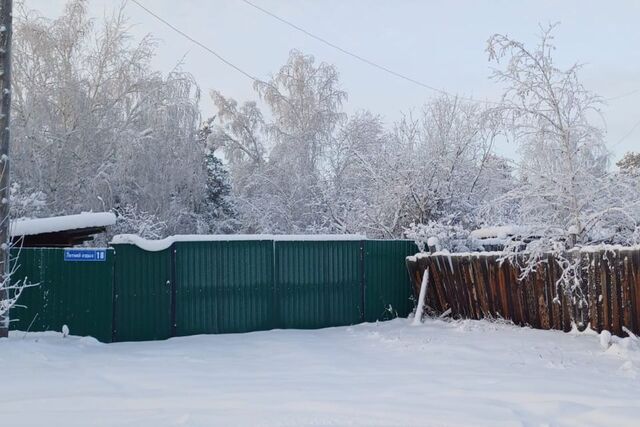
(388, 285)
(142, 294)
(318, 283)
(76, 294)
(221, 287)
(224, 287)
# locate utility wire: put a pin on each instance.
(626, 135)
(361, 58)
(624, 95)
(188, 37)
(358, 57)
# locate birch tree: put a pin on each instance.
(565, 194)
(96, 128)
(551, 117)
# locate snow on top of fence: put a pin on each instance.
(31, 226)
(158, 245)
(583, 249)
(606, 247)
(419, 255)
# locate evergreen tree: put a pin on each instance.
(219, 212)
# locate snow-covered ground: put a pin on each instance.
(471, 373)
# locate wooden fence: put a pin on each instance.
(478, 286)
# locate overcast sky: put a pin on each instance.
(440, 43)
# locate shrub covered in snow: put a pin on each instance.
(442, 237)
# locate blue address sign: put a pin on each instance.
(85, 254)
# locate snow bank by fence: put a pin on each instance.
(477, 285)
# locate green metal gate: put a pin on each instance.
(224, 286)
(318, 283)
(142, 294)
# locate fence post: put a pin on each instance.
(114, 296)
(363, 283)
(275, 306)
(174, 326)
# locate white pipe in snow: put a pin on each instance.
(417, 319)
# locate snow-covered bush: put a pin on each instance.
(131, 220)
(30, 204)
(442, 237)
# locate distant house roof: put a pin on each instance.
(499, 232)
(67, 230)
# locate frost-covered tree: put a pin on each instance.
(440, 165)
(277, 165)
(310, 168)
(551, 117)
(565, 195)
(351, 198)
(26, 203)
(96, 128)
(131, 220)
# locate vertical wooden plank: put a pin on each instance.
(447, 286)
(531, 301)
(440, 286)
(486, 275)
(497, 296)
(616, 315)
(510, 290)
(504, 297)
(471, 287)
(623, 267)
(481, 285)
(593, 292)
(460, 288)
(635, 288)
(518, 295)
(549, 294)
(543, 311)
(600, 289)
(475, 299)
(582, 315)
(556, 307)
(606, 292)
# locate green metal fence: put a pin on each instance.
(206, 287)
(76, 294)
(386, 295)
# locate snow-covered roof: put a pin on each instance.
(158, 245)
(500, 232)
(32, 226)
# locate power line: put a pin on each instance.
(361, 58)
(624, 95)
(626, 135)
(188, 37)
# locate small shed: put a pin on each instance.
(60, 231)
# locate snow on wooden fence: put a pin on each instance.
(480, 286)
